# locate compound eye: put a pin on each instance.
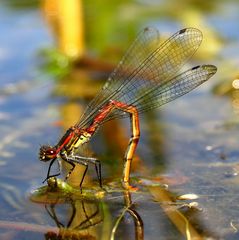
(47, 153)
(50, 152)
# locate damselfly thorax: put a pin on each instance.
(73, 139)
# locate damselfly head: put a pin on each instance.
(47, 153)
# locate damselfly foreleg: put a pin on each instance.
(49, 170)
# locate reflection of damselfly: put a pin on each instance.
(84, 216)
(147, 77)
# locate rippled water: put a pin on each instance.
(190, 144)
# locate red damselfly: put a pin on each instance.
(147, 77)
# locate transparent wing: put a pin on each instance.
(176, 87)
(143, 46)
(144, 70)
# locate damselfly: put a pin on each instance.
(147, 77)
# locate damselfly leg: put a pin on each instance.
(73, 160)
(49, 170)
